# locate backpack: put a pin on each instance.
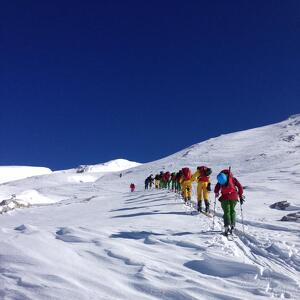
(204, 171)
(208, 171)
(187, 173)
(229, 187)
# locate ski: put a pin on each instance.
(230, 237)
(207, 214)
(196, 212)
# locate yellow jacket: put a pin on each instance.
(196, 177)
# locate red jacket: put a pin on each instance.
(230, 191)
(167, 176)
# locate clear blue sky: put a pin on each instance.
(89, 81)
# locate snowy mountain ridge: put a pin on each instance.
(115, 165)
(93, 239)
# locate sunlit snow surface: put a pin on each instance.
(19, 172)
(99, 241)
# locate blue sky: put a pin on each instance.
(84, 82)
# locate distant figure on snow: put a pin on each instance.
(132, 187)
(151, 181)
(157, 181)
(146, 183)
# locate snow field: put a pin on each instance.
(96, 240)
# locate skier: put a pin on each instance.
(146, 183)
(178, 179)
(203, 187)
(186, 184)
(173, 181)
(161, 180)
(167, 180)
(151, 181)
(157, 181)
(231, 191)
(132, 187)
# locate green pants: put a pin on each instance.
(228, 207)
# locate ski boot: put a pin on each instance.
(206, 206)
(226, 232)
(199, 206)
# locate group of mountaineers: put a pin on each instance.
(228, 190)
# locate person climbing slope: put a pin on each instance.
(151, 181)
(161, 180)
(203, 187)
(186, 184)
(147, 183)
(231, 192)
(132, 187)
(167, 179)
(157, 181)
(178, 179)
(173, 181)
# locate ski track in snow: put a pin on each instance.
(96, 240)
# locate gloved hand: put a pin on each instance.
(242, 199)
(208, 187)
(216, 195)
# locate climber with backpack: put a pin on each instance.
(178, 184)
(167, 180)
(203, 187)
(151, 181)
(186, 184)
(132, 187)
(161, 180)
(231, 192)
(146, 183)
(173, 181)
(157, 181)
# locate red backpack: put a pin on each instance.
(229, 187)
(187, 173)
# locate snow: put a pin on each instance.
(93, 239)
(10, 173)
(112, 166)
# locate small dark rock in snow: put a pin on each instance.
(294, 217)
(81, 169)
(282, 205)
(21, 228)
(5, 202)
(289, 138)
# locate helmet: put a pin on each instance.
(222, 178)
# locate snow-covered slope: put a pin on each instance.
(102, 242)
(10, 173)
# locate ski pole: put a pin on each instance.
(242, 217)
(213, 225)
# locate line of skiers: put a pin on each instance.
(228, 190)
